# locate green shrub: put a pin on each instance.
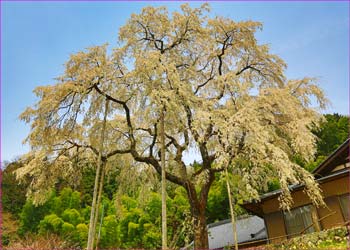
(13, 191)
(70, 199)
(56, 206)
(72, 216)
(5, 238)
(133, 229)
(31, 216)
(67, 228)
(51, 223)
(151, 239)
(109, 237)
(81, 234)
(85, 214)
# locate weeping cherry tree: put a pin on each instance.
(224, 96)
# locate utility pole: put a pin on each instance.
(99, 229)
(234, 229)
(95, 203)
(162, 159)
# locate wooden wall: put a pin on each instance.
(274, 218)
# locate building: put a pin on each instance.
(333, 176)
(250, 232)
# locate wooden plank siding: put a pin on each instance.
(274, 217)
(275, 226)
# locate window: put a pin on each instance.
(298, 219)
(345, 205)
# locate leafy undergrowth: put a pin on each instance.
(331, 239)
(9, 228)
(335, 238)
(32, 242)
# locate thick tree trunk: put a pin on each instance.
(200, 231)
(198, 205)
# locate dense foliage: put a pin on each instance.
(13, 192)
(335, 238)
(333, 131)
(131, 214)
(131, 208)
(133, 224)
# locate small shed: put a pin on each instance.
(250, 232)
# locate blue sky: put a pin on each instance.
(38, 37)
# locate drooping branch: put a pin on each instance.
(154, 140)
(159, 43)
(190, 121)
(125, 107)
(149, 36)
(181, 38)
(94, 150)
(211, 77)
(155, 163)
